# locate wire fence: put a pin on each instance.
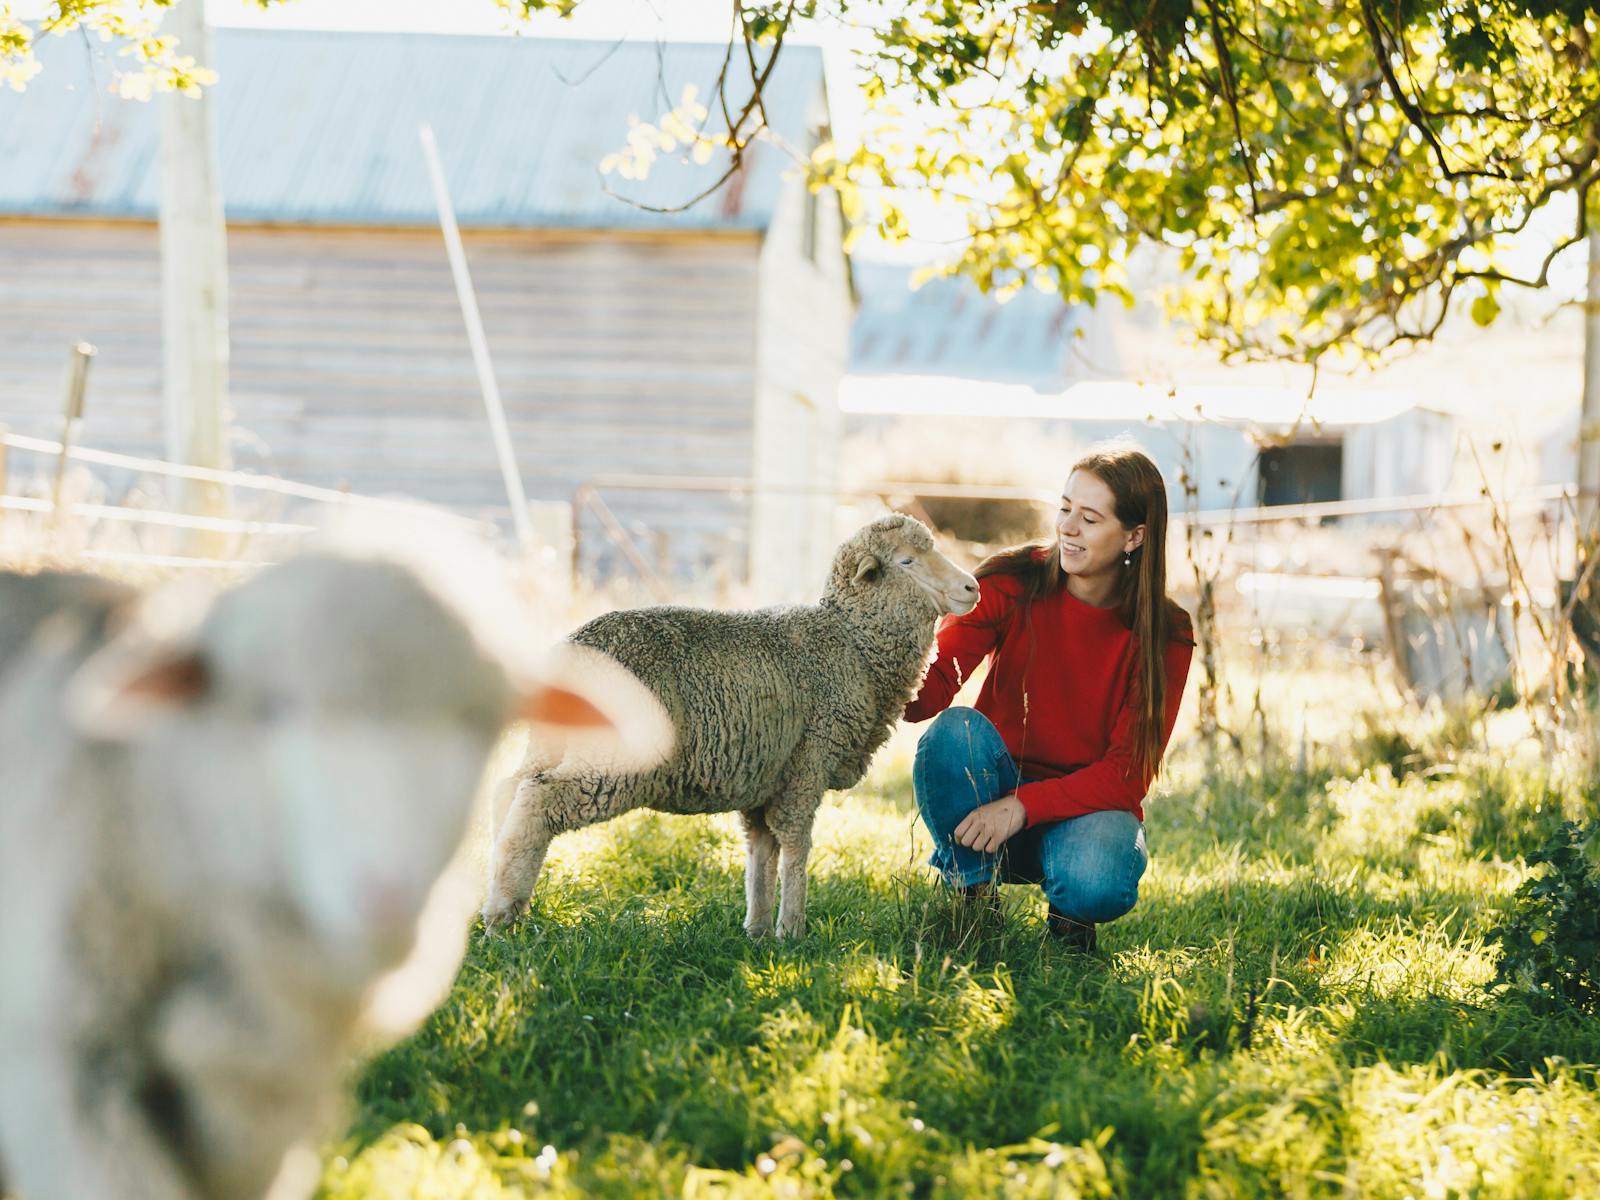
(238, 479)
(248, 539)
(1438, 583)
(1445, 593)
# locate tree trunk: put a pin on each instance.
(1589, 418)
(1585, 627)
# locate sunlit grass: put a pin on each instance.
(1295, 1008)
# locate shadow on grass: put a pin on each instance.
(631, 1003)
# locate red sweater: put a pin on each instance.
(1060, 691)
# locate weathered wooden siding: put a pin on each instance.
(350, 365)
(62, 285)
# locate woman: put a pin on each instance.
(1044, 781)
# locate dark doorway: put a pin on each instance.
(1303, 473)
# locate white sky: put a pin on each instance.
(675, 20)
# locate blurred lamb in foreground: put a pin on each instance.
(221, 828)
(772, 708)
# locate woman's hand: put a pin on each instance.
(988, 828)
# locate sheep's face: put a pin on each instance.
(372, 710)
(900, 548)
(328, 722)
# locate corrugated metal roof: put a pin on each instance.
(948, 327)
(321, 128)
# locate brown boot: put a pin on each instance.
(1070, 933)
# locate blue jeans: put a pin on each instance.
(1089, 866)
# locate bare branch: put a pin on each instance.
(1380, 46)
(1230, 95)
(739, 141)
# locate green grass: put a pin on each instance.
(1295, 1008)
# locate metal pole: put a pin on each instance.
(77, 384)
(480, 344)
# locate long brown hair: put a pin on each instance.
(1141, 590)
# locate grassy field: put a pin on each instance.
(1295, 1008)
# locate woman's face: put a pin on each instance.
(1089, 538)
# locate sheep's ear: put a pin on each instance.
(149, 668)
(593, 706)
(867, 569)
(562, 708)
(123, 688)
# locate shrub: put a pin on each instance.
(1550, 941)
(1383, 742)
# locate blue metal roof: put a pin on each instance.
(948, 327)
(321, 128)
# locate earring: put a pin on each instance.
(1127, 558)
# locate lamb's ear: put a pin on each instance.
(560, 707)
(119, 692)
(868, 568)
(149, 669)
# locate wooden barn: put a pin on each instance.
(704, 345)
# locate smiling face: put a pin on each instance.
(1089, 538)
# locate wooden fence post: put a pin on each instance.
(72, 417)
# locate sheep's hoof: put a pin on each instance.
(500, 914)
(757, 932)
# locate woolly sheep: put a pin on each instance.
(772, 708)
(220, 832)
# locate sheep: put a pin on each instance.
(221, 826)
(772, 708)
(29, 601)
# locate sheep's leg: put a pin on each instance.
(518, 855)
(542, 807)
(505, 794)
(761, 873)
(792, 854)
(790, 820)
(537, 758)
